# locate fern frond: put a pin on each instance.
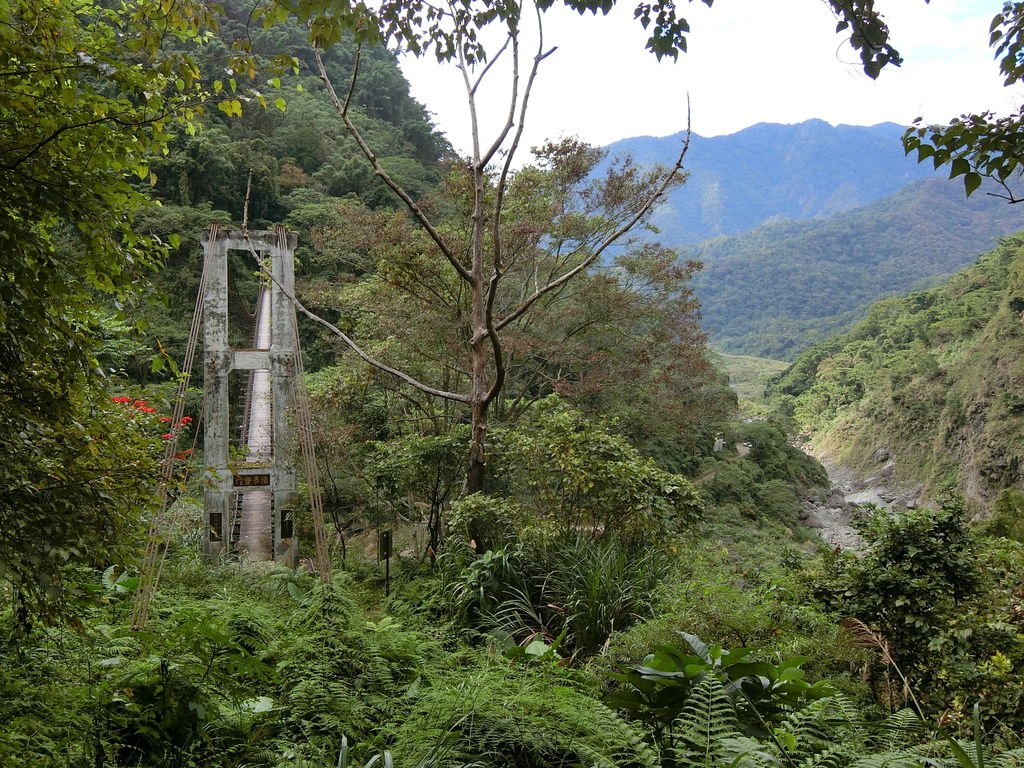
(907, 758)
(745, 752)
(899, 729)
(1012, 759)
(832, 756)
(707, 719)
(500, 716)
(810, 729)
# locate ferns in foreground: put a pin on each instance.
(499, 716)
(707, 721)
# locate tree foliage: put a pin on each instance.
(456, 32)
(89, 92)
(983, 145)
(577, 477)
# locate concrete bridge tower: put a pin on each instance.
(250, 494)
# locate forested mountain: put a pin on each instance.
(786, 285)
(293, 161)
(935, 377)
(771, 171)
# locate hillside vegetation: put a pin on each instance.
(936, 377)
(294, 165)
(784, 286)
(748, 377)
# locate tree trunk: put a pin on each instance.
(476, 478)
(478, 400)
(477, 473)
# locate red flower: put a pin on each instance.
(183, 454)
(148, 410)
(165, 419)
(186, 419)
(167, 436)
(138, 403)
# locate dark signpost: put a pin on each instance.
(384, 553)
(251, 481)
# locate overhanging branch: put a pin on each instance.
(342, 110)
(362, 354)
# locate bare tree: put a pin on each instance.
(506, 275)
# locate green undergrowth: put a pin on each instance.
(243, 666)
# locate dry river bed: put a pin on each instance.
(850, 491)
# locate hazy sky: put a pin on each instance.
(749, 61)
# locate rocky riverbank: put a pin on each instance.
(848, 496)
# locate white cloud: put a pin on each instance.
(749, 62)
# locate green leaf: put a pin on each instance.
(971, 182)
(959, 167)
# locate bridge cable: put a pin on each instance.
(156, 544)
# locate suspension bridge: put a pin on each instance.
(257, 442)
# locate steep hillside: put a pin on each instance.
(295, 165)
(935, 378)
(773, 171)
(784, 286)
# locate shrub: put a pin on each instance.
(659, 689)
(578, 477)
(919, 568)
(947, 603)
(575, 592)
(1008, 515)
(582, 591)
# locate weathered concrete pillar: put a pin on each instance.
(283, 370)
(217, 484)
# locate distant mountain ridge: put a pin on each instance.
(784, 286)
(774, 171)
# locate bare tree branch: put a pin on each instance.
(370, 360)
(499, 358)
(496, 245)
(608, 240)
(513, 100)
(490, 64)
(342, 110)
(360, 352)
(474, 123)
(502, 185)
